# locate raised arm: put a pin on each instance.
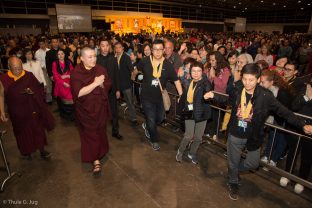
(98, 81)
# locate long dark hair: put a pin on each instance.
(221, 62)
(67, 64)
(27, 50)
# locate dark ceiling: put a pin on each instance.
(252, 5)
(256, 11)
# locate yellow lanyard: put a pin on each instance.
(157, 68)
(190, 92)
(118, 58)
(11, 75)
(245, 108)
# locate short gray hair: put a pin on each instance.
(248, 57)
(84, 50)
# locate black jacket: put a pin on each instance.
(302, 106)
(51, 56)
(125, 68)
(285, 98)
(109, 63)
(263, 102)
(201, 108)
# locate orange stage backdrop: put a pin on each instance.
(139, 24)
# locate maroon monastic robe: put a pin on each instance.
(92, 111)
(28, 112)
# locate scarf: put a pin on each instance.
(118, 58)
(11, 75)
(245, 108)
(190, 92)
(157, 68)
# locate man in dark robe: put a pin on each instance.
(90, 85)
(29, 114)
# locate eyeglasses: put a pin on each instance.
(196, 71)
(289, 69)
(158, 49)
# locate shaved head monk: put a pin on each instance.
(28, 112)
(90, 85)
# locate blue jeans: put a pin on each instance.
(235, 164)
(278, 147)
(154, 113)
(129, 99)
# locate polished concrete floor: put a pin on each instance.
(133, 176)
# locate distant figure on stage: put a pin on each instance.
(90, 86)
(28, 112)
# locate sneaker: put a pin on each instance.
(233, 191)
(146, 131)
(214, 138)
(298, 189)
(264, 159)
(272, 163)
(193, 158)
(179, 156)
(155, 146)
(284, 156)
(207, 135)
(284, 181)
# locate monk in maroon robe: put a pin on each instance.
(29, 114)
(90, 85)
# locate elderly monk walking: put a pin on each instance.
(28, 112)
(90, 85)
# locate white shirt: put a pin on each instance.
(268, 59)
(35, 68)
(40, 56)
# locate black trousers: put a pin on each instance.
(114, 108)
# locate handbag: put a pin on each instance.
(165, 97)
(187, 114)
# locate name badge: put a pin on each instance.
(242, 124)
(190, 107)
(155, 82)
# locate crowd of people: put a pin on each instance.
(257, 77)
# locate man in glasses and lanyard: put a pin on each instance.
(155, 67)
(251, 105)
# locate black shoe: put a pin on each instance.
(233, 191)
(26, 157)
(117, 136)
(45, 155)
(134, 123)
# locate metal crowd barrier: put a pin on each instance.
(10, 174)
(175, 120)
